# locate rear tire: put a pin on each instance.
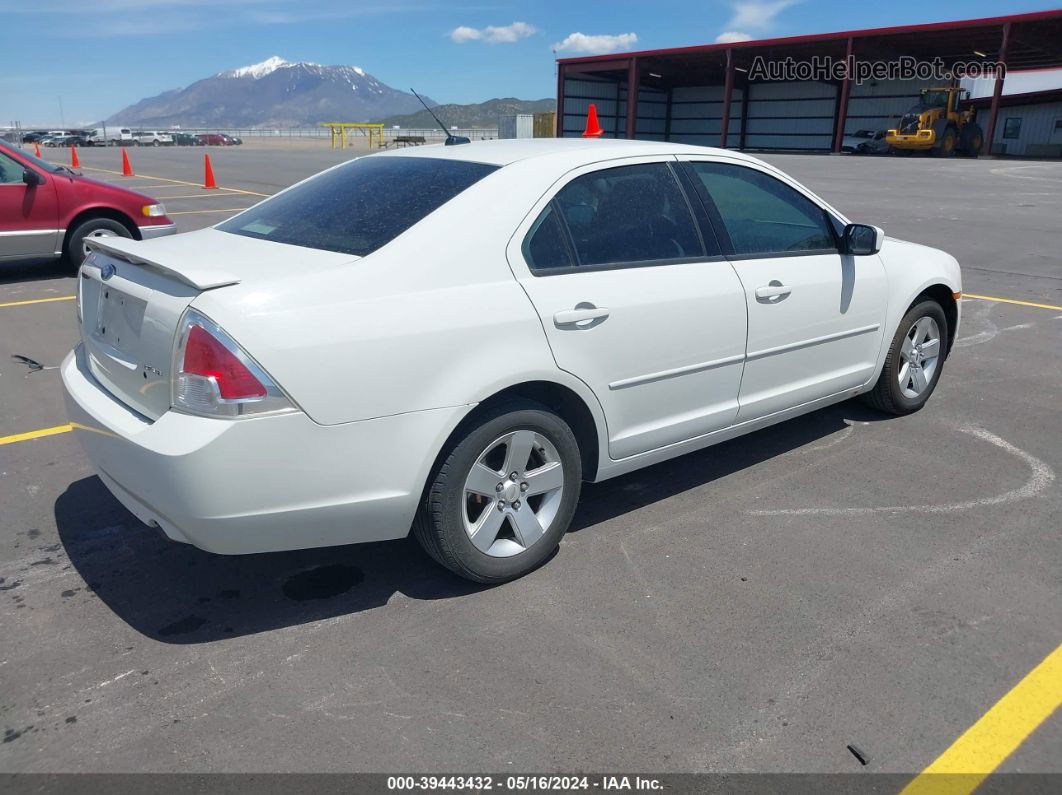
(899, 390)
(74, 249)
(479, 521)
(972, 139)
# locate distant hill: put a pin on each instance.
(482, 114)
(274, 93)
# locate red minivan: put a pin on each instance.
(48, 210)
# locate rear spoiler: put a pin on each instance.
(129, 251)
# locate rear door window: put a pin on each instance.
(628, 214)
(360, 206)
(545, 247)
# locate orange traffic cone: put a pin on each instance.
(37, 149)
(593, 129)
(208, 175)
(127, 169)
(74, 162)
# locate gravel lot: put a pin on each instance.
(844, 578)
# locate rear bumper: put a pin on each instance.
(257, 485)
(157, 230)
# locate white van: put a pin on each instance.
(111, 136)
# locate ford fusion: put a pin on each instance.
(450, 340)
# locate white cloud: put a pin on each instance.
(730, 36)
(462, 34)
(492, 34)
(756, 14)
(580, 42)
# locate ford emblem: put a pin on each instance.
(107, 270)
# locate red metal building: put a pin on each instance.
(703, 94)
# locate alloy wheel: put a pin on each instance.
(512, 493)
(95, 233)
(919, 357)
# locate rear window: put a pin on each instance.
(360, 206)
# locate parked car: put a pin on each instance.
(62, 140)
(51, 211)
(519, 316)
(233, 140)
(864, 142)
(33, 137)
(185, 139)
(152, 138)
(213, 139)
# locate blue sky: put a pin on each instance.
(101, 55)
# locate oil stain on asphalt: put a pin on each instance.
(322, 582)
(183, 626)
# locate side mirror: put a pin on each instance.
(31, 177)
(862, 239)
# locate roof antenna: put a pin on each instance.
(451, 140)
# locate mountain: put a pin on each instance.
(274, 93)
(482, 114)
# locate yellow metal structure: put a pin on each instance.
(338, 129)
(545, 124)
(938, 124)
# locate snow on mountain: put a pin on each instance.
(257, 70)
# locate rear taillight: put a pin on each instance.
(213, 375)
(205, 357)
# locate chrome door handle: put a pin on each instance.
(773, 291)
(581, 314)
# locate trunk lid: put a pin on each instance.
(132, 294)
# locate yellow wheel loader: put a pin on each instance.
(938, 125)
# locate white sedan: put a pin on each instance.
(451, 339)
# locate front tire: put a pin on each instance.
(947, 143)
(503, 497)
(75, 249)
(914, 362)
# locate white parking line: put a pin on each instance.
(1042, 475)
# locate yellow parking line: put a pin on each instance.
(196, 212)
(204, 195)
(39, 301)
(124, 184)
(1012, 301)
(983, 747)
(23, 437)
(175, 181)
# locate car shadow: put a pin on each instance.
(603, 501)
(35, 269)
(175, 593)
